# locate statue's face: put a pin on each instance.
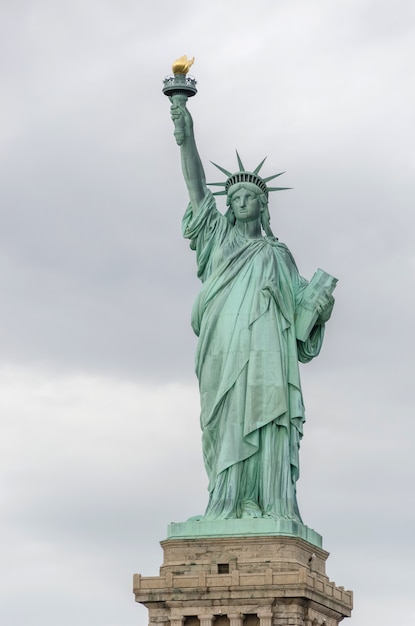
(245, 202)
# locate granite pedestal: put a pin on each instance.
(268, 580)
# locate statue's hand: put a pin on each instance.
(181, 117)
(324, 307)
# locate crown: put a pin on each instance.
(243, 176)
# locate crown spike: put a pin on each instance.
(222, 169)
(258, 167)
(278, 188)
(241, 165)
(266, 180)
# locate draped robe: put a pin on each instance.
(252, 411)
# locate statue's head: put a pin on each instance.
(247, 202)
(249, 189)
(252, 184)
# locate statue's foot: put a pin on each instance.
(250, 510)
(195, 518)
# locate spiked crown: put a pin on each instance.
(243, 176)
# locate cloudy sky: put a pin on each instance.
(100, 443)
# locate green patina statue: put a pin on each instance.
(249, 317)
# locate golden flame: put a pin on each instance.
(182, 65)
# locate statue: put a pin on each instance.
(248, 317)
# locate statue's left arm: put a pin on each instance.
(310, 347)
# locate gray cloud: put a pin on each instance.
(99, 402)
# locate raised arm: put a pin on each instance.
(193, 172)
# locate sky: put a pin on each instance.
(100, 444)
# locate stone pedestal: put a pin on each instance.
(242, 581)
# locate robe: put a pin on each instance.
(247, 356)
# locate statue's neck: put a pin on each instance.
(249, 230)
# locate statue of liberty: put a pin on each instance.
(248, 350)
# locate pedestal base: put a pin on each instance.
(242, 581)
(254, 527)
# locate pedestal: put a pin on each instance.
(249, 527)
(242, 581)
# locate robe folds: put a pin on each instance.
(247, 356)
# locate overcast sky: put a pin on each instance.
(100, 442)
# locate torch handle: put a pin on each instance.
(179, 124)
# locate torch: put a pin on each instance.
(179, 87)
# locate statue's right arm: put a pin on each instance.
(193, 172)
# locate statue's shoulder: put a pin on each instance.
(283, 253)
(280, 248)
